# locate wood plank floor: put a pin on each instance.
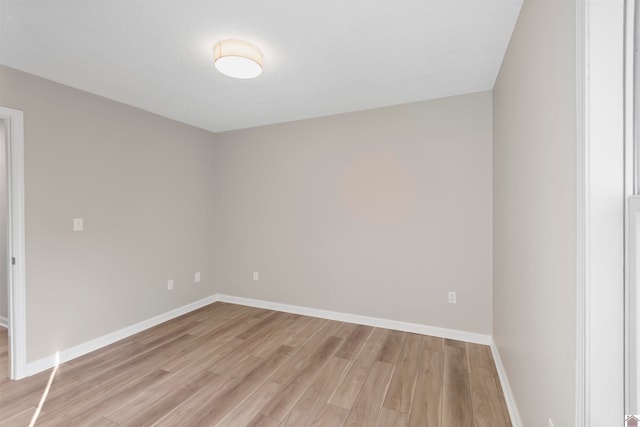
(230, 365)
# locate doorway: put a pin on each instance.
(13, 131)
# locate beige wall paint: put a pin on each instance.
(377, 213)
(142, 183)
(534, 223)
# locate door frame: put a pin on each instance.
(16, 274)
(602, 185)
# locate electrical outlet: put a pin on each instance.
(196, 277)
(452, 297)
(170, 285)
(256, 276)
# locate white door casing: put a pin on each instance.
(16, 242)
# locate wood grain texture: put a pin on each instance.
(152, 404)
(245, 413)
(102, 422)
(310, 404)
(489, 406)
(503, 402)
(349, 388)
(229, 365)
(281, 404)
(19, 419)
(354, 341)
(391, 348)
(456, 407)
(427, 402)
(487, 411)
(391, 418)
(366, 409)
(263, 421)
(331, 415)
(480, 361)
(402, 385)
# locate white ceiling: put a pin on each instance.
(322, 57)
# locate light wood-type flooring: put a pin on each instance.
(230, 365)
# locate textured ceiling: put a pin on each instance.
(321, 57)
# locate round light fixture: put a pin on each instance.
(237, 59)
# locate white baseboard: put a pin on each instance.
(95, 344)
(4, 322)
(506, 388)
(361, 320)
(103, 341)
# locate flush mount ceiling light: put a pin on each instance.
(237, 59)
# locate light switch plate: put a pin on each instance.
(78, 224)
(452, 298)
(196, 277)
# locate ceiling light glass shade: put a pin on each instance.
(237, 59)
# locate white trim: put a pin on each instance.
(4, 322)
(630, 296)
(105, 340)
(631, 300)
(361, 320)
(600, 213)
(16, 238)
(506, 388)
(581, 213)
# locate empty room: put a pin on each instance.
(297, 213)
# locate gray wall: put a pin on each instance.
(142, 183)
(534, 223)
(378, 213)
